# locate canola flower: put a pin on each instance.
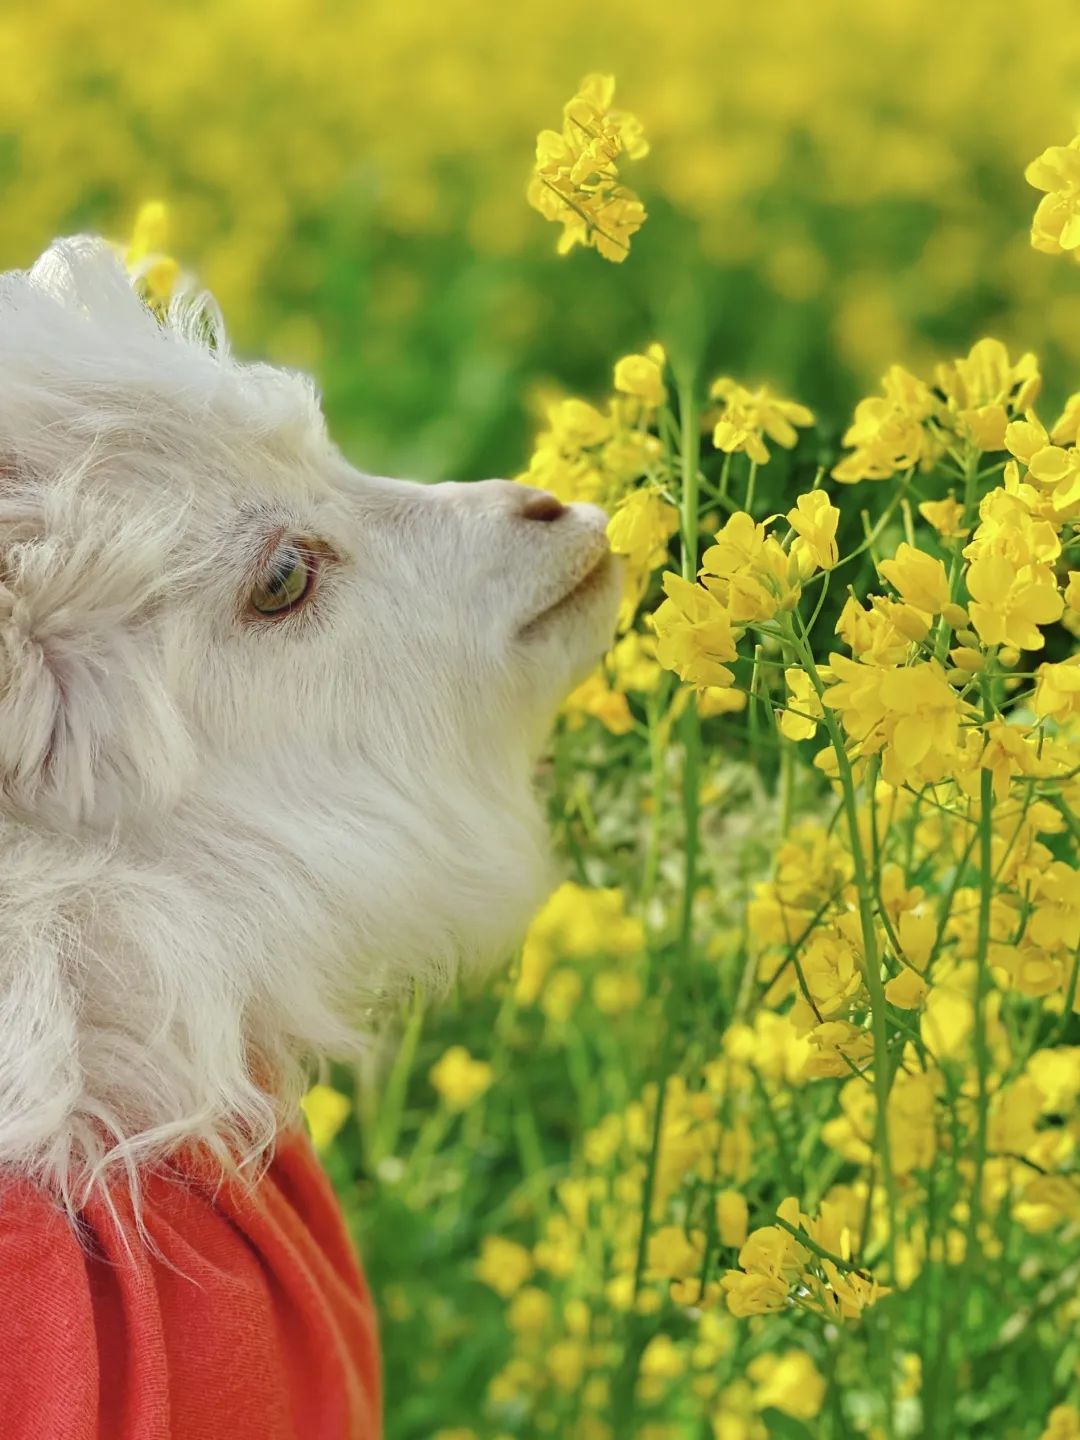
(325, 1110)
(1055, 228)
(576, 180)
(459, 1079)
(154, 271)
(748, 416)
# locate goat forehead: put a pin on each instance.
(79, 352)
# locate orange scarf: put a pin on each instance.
(252, 1321)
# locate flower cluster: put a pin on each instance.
(747, 416)
(909, 962)
(1056, 226)
(913, 423)
(598, 453)
(786, 1131)
(576, 181)
(802, 1261)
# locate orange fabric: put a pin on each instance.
(252, 1322)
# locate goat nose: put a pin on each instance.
(542, 506)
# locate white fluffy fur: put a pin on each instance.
(226, 842)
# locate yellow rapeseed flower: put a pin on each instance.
(459, 1079)
(946, 516)
(747, 570)
(800, 720)
(639, 531)
(789, 1382)
(910, 714)
(694, 634)
(814, 520)
(888, 432)
(920, 579)
(576, 180)
(643, 376)
(747, 416)
(1056, 226)
(908, 989)
(1009, 603)
(983, 390)
(1063, 1423)
(731, 1217)
(150, 266)
(596, 698)
(503, 1264)
(1057, 689)
(325, 1110)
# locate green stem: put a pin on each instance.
(751, 485)
(809, 1243)
(688, 527)
(982, 990)
(956, 565)
(866, 890)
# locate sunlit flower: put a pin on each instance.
(615, 991)
(946, 516)
(910, 714)
(325, 1110)
(814, 520)
(799, 720)
(984, 389)
(503, 1264)
(596, 698)
(1056, 226)
(878, 635)
(831, 972)
(747, 570)
(1055, 919)
(576, 923)
(1057, 689)
(1066, 428)
(633, 662)
(1063, 1423)
(788, 1382)
(713, 700)
(459, 1079)
(888, 432)
(908, 989)
(643, 376)
(146, 256)
(731, 1217)
(590, 454)
(747, 416)
(1009, 604)
(920, 579)
(674, 1254)
(694, 634)
(639, 530)
(1051, 466)
(576, 178)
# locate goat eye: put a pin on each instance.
(286, 586)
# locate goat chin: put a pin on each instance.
(232, 838)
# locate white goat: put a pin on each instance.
(267, 727)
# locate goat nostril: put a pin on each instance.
(543, 507)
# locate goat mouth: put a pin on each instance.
(593, 580)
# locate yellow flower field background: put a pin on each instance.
(771, 1129)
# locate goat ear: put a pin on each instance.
(85, 723)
